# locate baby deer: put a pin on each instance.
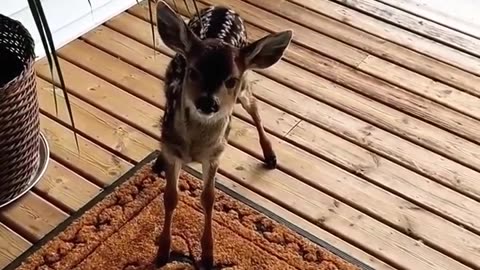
(203, 82)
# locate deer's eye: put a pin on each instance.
(231, 83)
(193, 74)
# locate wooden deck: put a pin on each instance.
(374, 113)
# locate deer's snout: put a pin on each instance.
(207, 105)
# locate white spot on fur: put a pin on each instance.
(205, 23)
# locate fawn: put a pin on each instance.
(203, 82)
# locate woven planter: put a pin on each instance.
(19, 111)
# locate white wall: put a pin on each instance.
(67, 19)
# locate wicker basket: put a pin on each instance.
(19, 110)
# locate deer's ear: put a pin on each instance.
(266, 51)
(173, 30)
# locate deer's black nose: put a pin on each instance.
(207, 105)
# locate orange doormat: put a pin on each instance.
(118, 230)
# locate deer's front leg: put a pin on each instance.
(249, 103)
(207, 199)
(170, 201)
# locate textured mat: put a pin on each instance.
(118, 230)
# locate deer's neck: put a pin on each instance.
(194, 138)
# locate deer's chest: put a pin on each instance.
(195, 142)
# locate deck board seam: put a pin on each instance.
(417, 33)
(386, 188)
(405, 112)
(378, 55)
(369, 53)
(398, 134)
(296, 213)
(10, 223)
(83, 134)
(294, 41)
(328, 193)
(353, 141)
(423, 120)
(102, 144)
(348, 44)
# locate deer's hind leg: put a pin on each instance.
(249, 103)
(170, 200)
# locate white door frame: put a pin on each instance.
(67, 19)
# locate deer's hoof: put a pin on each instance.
(207, 262)
(163, 253)
(271, 162)
(162, 259)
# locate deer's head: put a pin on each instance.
(215, 69)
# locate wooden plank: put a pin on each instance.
(100, 91)
(363, 40)
(65, 188)
(81, 51)
(371, 199)
(117, 44)
(121, 73)
(306, 37)
(415, 130)
(394, 96)
(86, 56)
(464, 19)
(373, 138)
(319, 25)
(386, 117)
(89, 161)
(375, 88)
(31, 216)
(405, 102)
(106, 140)
(455, 207)
(414, 24)
(333, 215)
(422, 64)
(424, 86)
(304, 224)
(301, 188)
(401, 151)
(95, 132)
(11, 246)
(137, 18)
(123, 138)
(238, 152)
(388, 175)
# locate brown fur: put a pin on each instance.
(209, 68)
